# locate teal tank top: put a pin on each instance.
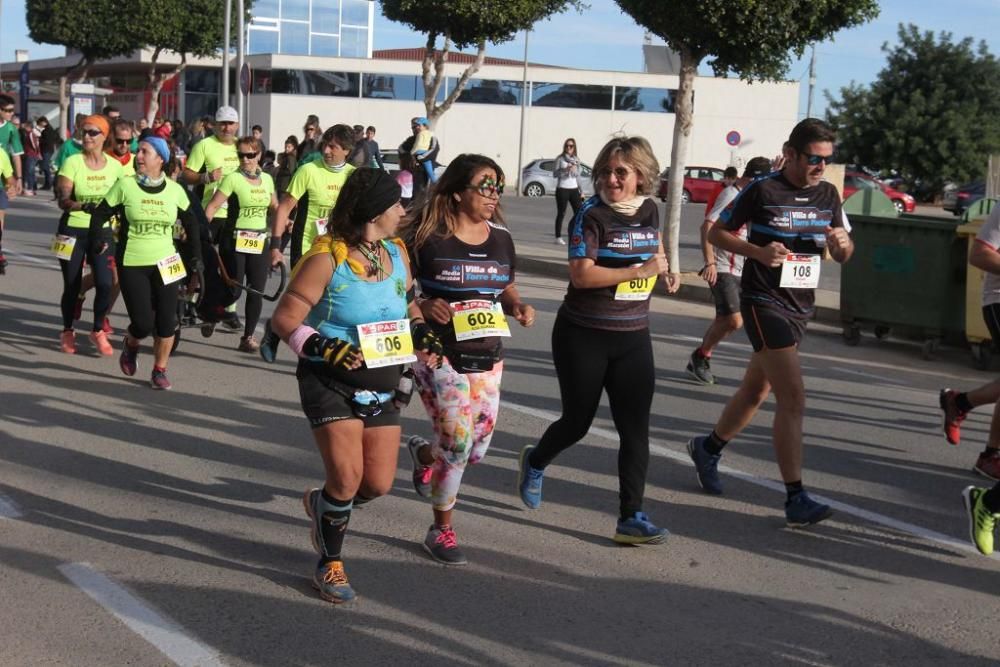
(349, 301)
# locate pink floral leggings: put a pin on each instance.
(463, 410)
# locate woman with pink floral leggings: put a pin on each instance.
(464, 261)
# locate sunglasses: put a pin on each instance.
(815, 160)
(570, 146)
(122, 141)
(621, 173)
(7, 109)
(93, 133)
(247, 156)
(488, 187)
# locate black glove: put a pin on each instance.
(425, 340)
(88, 208)
(334, 351)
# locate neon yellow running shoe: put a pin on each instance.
(982, 522)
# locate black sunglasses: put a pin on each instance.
(93, 133)
(247, 156)
(7, 109)
(814, 160)
(122, 141)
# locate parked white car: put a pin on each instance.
(538, 178)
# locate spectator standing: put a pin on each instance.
(48, 141)
(287, 162)
(31, 141)
(359, 154)
(567, 185)
(258, 133)
(374, 152)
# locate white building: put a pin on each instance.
(312, 27)
(588, 105)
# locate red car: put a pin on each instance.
(699, 184)
(854, 181)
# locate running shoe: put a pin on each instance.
(982, 522)
(78, 308)
(158, 380)
(442, 546)
(67, 341)
(269, 344)
(638, 529)
(529, 480)
(106, 327)
(421, 473)
(100, 341)
(802, 511)
(706, 465)
(127, 361)
(988, 464)
(248, 344)
(559, 241)
(700, 369)
(232, 322)
(953, 417)
(207, 329)
(331, 582)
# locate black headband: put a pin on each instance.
(378, 197)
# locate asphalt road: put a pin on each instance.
(151, 528)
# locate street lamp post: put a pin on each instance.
(524, 106)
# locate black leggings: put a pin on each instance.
(620, 362)
(151, 305)
(252, 268)
(72, 271)
(564, 195)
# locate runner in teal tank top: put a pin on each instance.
(350, 317)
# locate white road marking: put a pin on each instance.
(682, 457)
(168, 637)
(9, 509)
(31, 258)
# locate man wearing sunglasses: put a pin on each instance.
(792, 216)
(119, 144)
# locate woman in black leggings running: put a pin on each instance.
(150, 269)
(600, 340)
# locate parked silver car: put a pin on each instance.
(539, 179)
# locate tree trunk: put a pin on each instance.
(463, 80)
(433, 78)
(76, 74)
(683, 122)
(156, 83)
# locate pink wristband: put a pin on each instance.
(299, 338)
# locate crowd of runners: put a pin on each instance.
(406, 283)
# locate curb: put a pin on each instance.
(692, 288)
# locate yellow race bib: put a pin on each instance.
(478, 319)
(635, 290)
(386, 343)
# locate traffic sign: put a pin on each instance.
(245, 79)
(733, 138)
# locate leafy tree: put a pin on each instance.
(89, 28)
(754, 39)
(933, 112)
(464, 23)
(186, 27)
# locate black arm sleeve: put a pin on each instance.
(100, 217)
(194, 235)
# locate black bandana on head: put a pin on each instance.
(380, 195)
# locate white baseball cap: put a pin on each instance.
(227, 115)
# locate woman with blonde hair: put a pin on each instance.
(464, 261)
(600, 340)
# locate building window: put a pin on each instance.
(571, 96)
(355, 12)
(265, 9)
(659, 100)
(295, 38)
(325, 45)
(202, 81)
(488, 91)
(296, 10)
(326, 17)
(354, 42)
(393, 87)
(262, 41)
(310, 82)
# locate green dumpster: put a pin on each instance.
(907, 273)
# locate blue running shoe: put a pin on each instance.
(706, 465)
(529, 480)
(802, 511)
(638, 529)
(331, 582)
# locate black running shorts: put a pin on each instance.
(726, 293)
(991, 315)
(769, 328)
(323, 404)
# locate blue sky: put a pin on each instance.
(605, 38)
